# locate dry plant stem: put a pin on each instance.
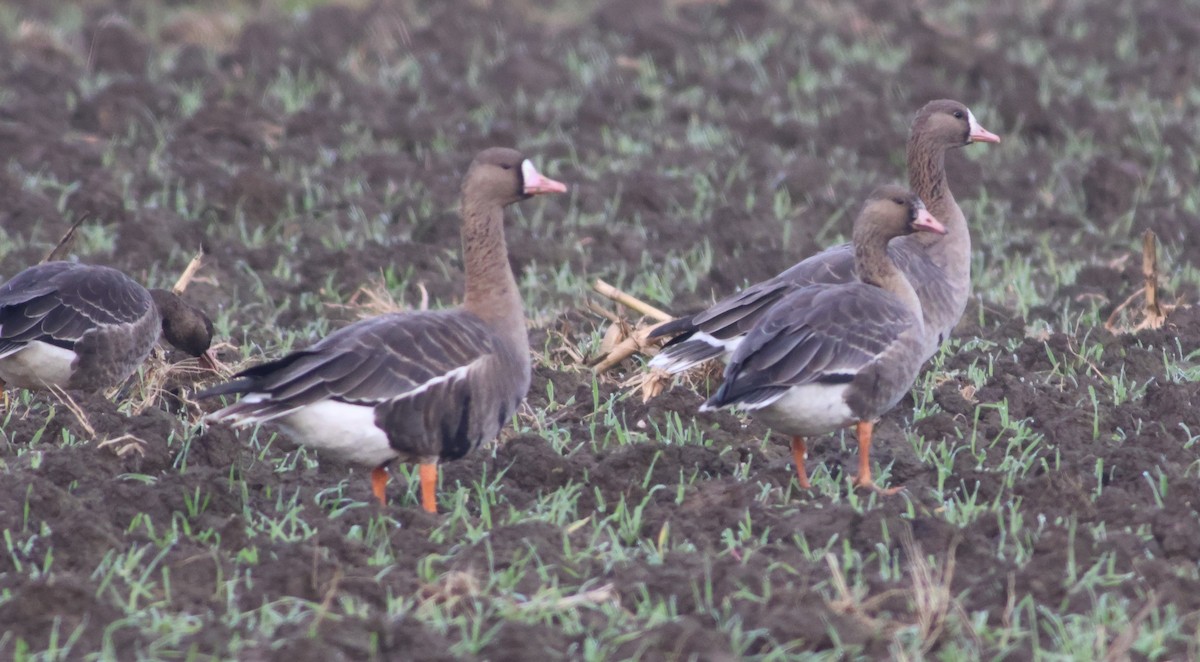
(1154, 313)
(189, 272)
(845, 600)
(326, 600)
(625, 349)
(63, 246)
(370, 300)
(450, 589)
(638, 340)
(930, 595)
(69, 402)
(1111, 323)
(852, 604)
(603, 594)
(602, 311)
(147, 390)
(132, 445)
(616, 333)
(1123, 643)
(654, 382)
(630, 302)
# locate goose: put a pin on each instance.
(88, 327)
(830, 355)
(423, 387)
(938, 265)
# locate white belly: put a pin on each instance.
(808, 410)
(341, 430)
(37, 365)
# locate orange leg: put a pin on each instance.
(863, 480)
(379, 481)
(799, 454)
(429, 477)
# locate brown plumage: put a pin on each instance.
(87, 327)
(419, 387)
(826, 355)
(939, 266)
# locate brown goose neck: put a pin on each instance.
(926, 160)
(491, 289)
(875, 267)
(871, 259)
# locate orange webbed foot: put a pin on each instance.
(868, 485)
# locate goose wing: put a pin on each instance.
(59, 302)
(720, 328)
(367, 363)
(818, 334)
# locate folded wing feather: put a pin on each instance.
(378, 360)
(816, 335)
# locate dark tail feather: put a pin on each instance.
(240, 385)
(734, 394)
(676, 358)
(248, 380)
(675, 327)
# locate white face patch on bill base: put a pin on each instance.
(978, 134)
(974, 123)
(536, 183)
(529, 174)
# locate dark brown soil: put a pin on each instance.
(102, 113)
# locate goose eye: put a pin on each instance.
(898, 201)
(506, 166)
(958, 114)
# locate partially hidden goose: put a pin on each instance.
(88, 327)
(827, 356)
(938, 265)
(420, 387)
